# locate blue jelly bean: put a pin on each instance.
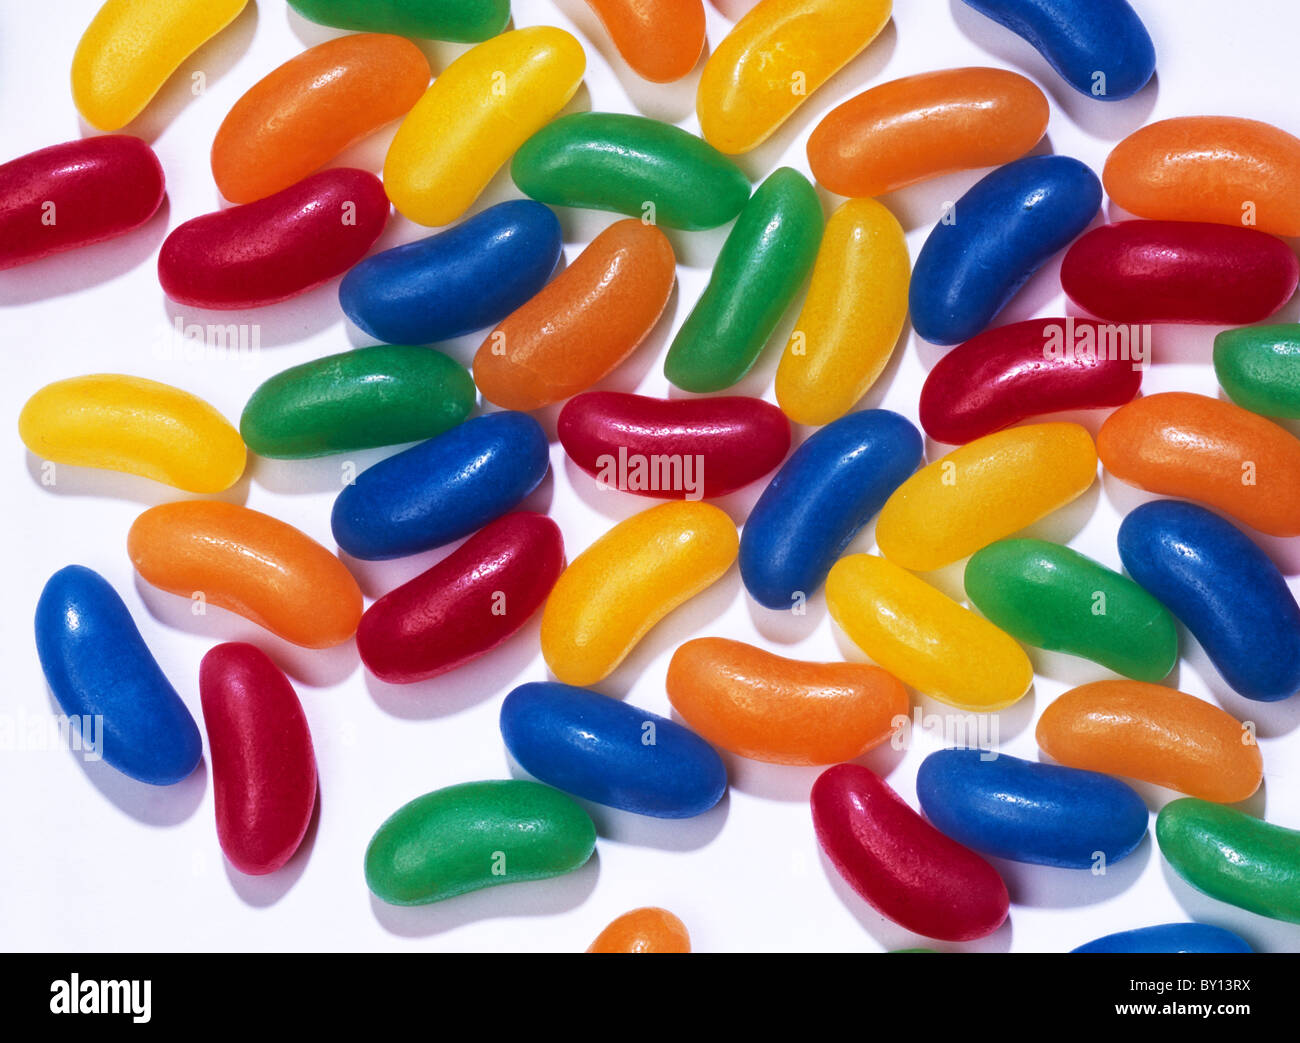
(1029, 812)
(1169, 937)
(831, 486)
(999, 234)
(464, 279)
(1099, 47)
(442, 489)
(98, 666)
(1223, 588)
(606, 751)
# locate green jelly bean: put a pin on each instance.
(359, 399)
(1233, 857)
(1259, 368)
(475, 835)
(631, 165)
(1053, 597)
(462, 21)
(759, 270)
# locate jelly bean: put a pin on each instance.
(784, 711)
(1259, 368)
(631, 165)
(75, 194)
(851, 318)
(1205, 449)
(823, 495)
(760, 268)
(250, 563)
(1024, 811)
(1099, 47)
(984, 491)
(925, 126)
(104, 677)
(482, 107)
(1223, 588)
(132, 47)
(1027, 369)
(775, 57)
(994, 239)
(924, 638)
(286, 244)
(442, 489)
(1053, 597)
(476, 835)
(651, 930)
(1179, 271)
(610, 752)
(357, 399)
(1233, 857)
(460, 21)
(296, 119)
(901, 865)
(1168, 938)
(616, 590)
(263, 765)
(1224, 169)
(458, 281)
(686, 448)
(139, 426)
(581, 326)
(465, 605)
(1155, 734)
(661, 40)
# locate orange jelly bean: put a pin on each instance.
(661, 39)
(643, 930)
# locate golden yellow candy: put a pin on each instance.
(616, 590)
(851, 319)
(987, 489)
(486, 104)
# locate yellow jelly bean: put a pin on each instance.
(486, 104)
(851, 319)
(923, 637)
(775, 57)
(627, 581)
(132, 47)
(987, 489)
(134, 425)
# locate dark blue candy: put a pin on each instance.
(1223, 588)
(442, 489)
(464, 279)
(1030, 812)
(98, 665)
(1000, 233)
(606, 751)
(831, 486)
(1169, 937)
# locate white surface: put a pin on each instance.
(96, 861)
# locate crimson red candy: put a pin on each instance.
(673, 449)
(280, 246)
(905, 868)
(263, 766)
(75, 194)
(1027, 369)
(1179, 271)
(466, 604)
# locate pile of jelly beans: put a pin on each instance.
(1210, 197)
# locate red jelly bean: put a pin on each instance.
(278, 247)
(1028, 369)
(905, 868)
(1179, 271)
(465, 605)
(75, 194)
(263, 766)
(673, 449)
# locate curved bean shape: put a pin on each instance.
(661, 40)
(643, 930)
(1168, 937)
(460, 21)
(1259, 368)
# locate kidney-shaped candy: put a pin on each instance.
(1259, 368)
(1168, 938)
(649, 930)
(460, 21)
(660, 39)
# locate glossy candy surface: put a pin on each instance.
(1168, 937)
(461, 21)
(649, 930)
(660, 39)
(1259, 368)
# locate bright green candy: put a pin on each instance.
(1053, 597)
(761, 267)
(359, 399)
(1259, 368)
(477, 834)
(464, 21)
(1233, 857)
(608, 161)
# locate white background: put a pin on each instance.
(96, 861)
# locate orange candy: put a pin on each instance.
(643, 930)
(661, 39)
